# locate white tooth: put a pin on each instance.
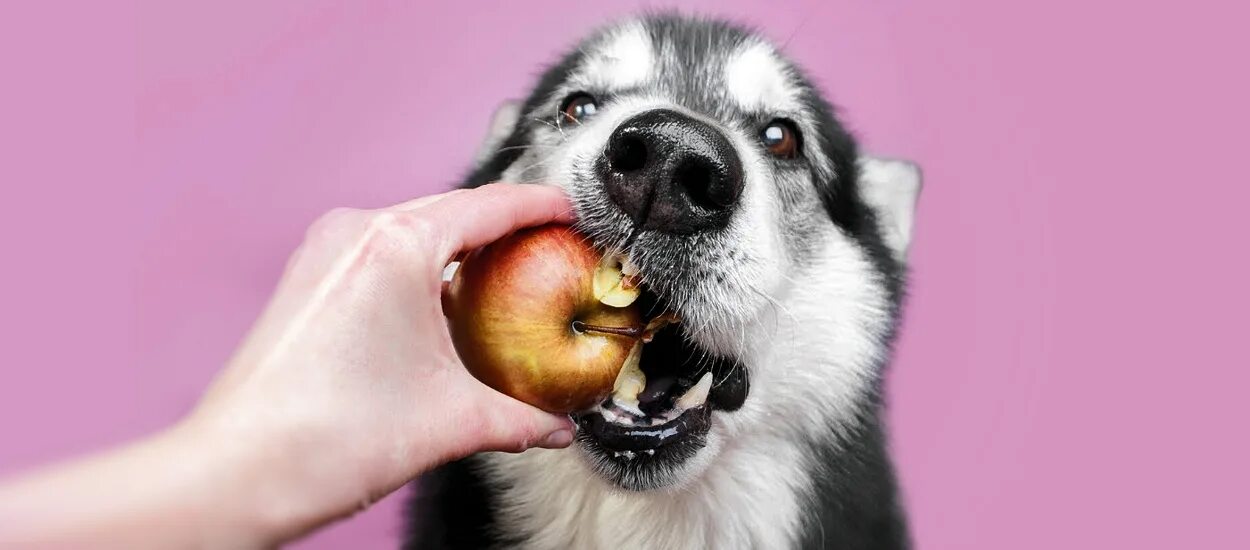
(628, 267)
(696, 395)
(449, 272)
(650, 452)
(631, 407)
(656, 324)
(608, 415)
(630, 382)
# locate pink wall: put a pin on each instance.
(1069, 376)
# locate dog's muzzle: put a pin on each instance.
(675, 177)
(671, 173)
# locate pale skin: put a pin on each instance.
(346, 388)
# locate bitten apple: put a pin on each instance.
(543, 317)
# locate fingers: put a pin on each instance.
(480, 216)
(514, 426)
(470, 218)
(427, 200)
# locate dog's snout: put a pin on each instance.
(670, 172)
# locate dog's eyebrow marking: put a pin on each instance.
(623, 58)
(758, 80)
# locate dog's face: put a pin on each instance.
(705, 156)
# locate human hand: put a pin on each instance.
(348, 386)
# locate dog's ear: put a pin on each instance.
(891, 188)
(501, 125)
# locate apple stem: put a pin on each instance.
(628, 332)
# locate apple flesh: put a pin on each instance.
(542, 316)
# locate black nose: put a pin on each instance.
(672, 173)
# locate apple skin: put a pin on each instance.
(511, 310)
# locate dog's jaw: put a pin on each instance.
(798, 300)
(729, 287)
(750, 480)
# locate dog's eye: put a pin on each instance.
(578, 107)
(781, 139)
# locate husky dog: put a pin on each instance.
(695, 147)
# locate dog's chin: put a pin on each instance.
(666, 438)
(668, 467)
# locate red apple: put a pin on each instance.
(541, 316)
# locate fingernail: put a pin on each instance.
(557, 439)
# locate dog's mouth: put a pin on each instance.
(669, 419)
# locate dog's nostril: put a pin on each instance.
(671, 173)
(628, 154)
(703, 184)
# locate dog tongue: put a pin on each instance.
(657, 387)
(658, 396)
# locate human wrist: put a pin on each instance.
(268, 483)
(175, 488)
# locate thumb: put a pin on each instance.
(516, 426)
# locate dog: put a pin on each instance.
(697, 148)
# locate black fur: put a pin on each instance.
(854, 495)
(452, 508)
(853, 500)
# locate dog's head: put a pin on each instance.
(699, 150)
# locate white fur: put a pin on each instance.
(758, 80)
(808, 329)
(747, 501)
(891, 187)
(726, 310)
(811, 363)
(624, 58)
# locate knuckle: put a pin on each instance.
(397, 223)
(333, 222)
(392, 232)
(491, 429)
(524, 431)
(511, 432)
(404, 244)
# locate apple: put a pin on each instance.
(544, 317)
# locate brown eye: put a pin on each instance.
(781, 139)
(578, 107)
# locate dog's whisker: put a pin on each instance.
(525, 147)
(554, 126)
(545, 123)
(560, 122)
(803, 434)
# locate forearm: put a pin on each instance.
(347, 388)
(165, 491)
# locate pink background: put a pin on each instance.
(1070, 374)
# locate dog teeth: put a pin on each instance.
(630, 407)
(609, 415)
(659, 322)
(449, 272)
(697, 395)
(630, 277)
(630, 382)
(628, 267)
